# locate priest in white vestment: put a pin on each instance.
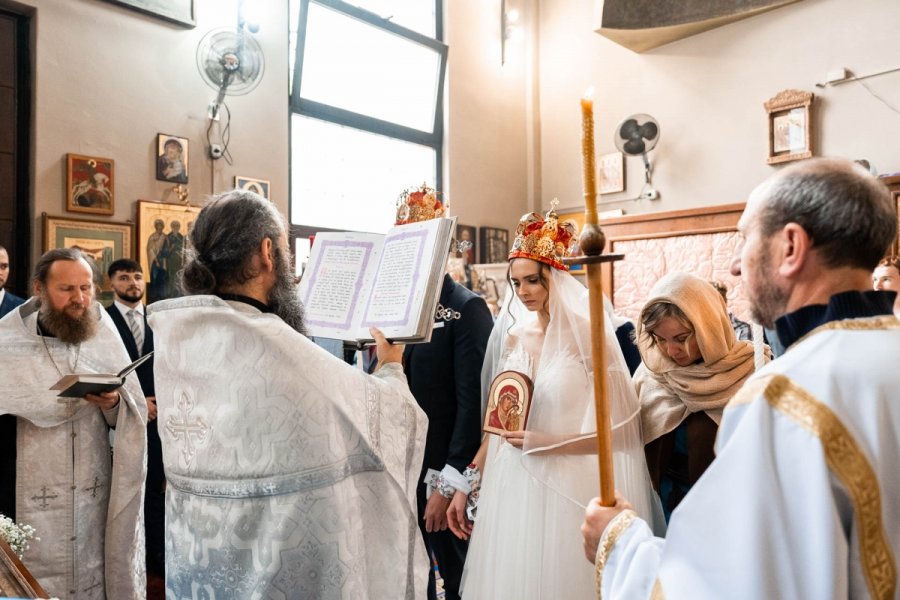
(803, 498)
(85, 508)
(290, 473)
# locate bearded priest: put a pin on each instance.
(290, 473)
(56, 472)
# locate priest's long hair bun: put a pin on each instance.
(225, 236)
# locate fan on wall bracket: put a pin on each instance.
(231, 62)
(636, 136)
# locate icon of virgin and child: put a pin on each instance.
(508, 403)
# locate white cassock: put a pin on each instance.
(86, 509)
(803, 499)
(290, 473)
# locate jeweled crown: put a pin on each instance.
(544, 239)
(419, 204)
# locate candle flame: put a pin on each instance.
(589, 93)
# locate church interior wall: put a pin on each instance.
(108, 79)
(707, 92)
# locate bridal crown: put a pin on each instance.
(544, 239)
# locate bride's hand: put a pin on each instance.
(538, 441)
(516, 438)
(459, 524)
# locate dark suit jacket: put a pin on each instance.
(145, 371)
(10, 302)
(445, 378)
(155, 475)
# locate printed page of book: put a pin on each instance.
(404, 276)
(336, 282)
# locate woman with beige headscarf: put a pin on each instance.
(692, 366)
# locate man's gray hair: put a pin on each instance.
(847, 212)
(225, 236)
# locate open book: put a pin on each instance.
(81, 384)
(354, 281)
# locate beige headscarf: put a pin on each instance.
(668, 392)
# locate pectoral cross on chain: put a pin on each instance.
(44, 497)
(186, 432)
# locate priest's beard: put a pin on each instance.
(767, 300)
(283, 298)
(71, 330)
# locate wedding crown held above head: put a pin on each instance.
(419, 204)
(544, 239)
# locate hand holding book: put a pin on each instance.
(80, 385)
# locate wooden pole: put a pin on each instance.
(592, 241)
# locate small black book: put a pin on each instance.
(81, 384)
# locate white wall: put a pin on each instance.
(489, 166)
(707, 92)
(109, 79)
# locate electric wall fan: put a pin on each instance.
(636, 136)
(231, 62)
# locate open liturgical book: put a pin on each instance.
(81, 384)
(354, 281)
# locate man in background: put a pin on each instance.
(803, 498)
(289, 473)
(127, 312)
(741, 328)
(59, 477)
(886, 276)
(8, 300)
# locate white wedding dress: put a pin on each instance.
(526, 542)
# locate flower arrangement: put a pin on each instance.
(16, 535)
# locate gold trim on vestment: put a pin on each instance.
(614, 530)
(863, 324)
(845, 459)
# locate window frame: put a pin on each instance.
(339, 116)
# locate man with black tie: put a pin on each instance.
(8, 301)
(127, 281)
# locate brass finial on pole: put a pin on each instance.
(592, 241)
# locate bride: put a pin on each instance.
(537, 481)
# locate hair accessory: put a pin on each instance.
(419, 204)
(544, 239)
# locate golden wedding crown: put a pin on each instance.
(419, 204)
(544, 239)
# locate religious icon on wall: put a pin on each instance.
(493, 244)
(791, 133)
(612, 173)
(89, 184)
(467, 233)
(509, 400)
(257, 186)
(101, 242)
(171, 158)
(162, 233)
